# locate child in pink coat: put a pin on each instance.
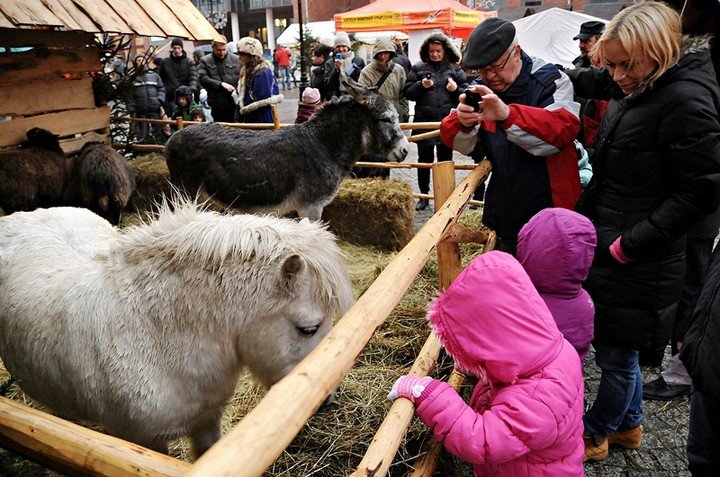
(525, 414)
(556, 248)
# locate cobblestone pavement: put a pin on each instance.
(666, 423)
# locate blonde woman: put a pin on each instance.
(656, 172)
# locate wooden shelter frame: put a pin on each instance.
(264, 433)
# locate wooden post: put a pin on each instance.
(443, 175)
(267, 430)
(76, 450)
(179, 123)
(275, 115)
(425, 466)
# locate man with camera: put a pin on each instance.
(525, 123)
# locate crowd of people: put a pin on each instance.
(605, 196)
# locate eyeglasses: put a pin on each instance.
(483, 72)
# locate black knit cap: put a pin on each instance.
(589, 30)
(176, 42)
(487, 42)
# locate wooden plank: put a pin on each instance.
(104, 16)
(29, 12)
(71, 146)
(136, 18)
(63, 123)
(74, 449)
(28, 37)
(71, 15)
(23, 99)
(194, 21)
(4, 22)
(166, 19)
(42, 63)
(264, 433)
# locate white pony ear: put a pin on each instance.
(291, 271)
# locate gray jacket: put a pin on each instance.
(212, 71)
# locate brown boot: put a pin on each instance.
(629, 439)
(594, 450)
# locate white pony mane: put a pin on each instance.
(185, 233)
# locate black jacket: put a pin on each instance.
(433, 104)
(656, 173)
(177, 71)
(701, 350)
(212, 71)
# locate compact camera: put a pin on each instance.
(472, 99)
(428, 75)
(338, 56)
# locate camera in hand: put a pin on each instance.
(472, 99)
(338, 56)
(428, 75)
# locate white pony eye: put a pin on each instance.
(308, 330)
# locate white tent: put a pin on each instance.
(549, 34)
(326, 31)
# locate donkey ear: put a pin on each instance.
(291, 271)
(357, 91)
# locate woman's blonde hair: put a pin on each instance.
(649, 29)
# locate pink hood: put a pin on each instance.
(491, 319)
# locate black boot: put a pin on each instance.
(659, 390)
(422, 204)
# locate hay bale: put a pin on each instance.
(373, 212)
(152, 180)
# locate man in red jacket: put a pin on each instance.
(282, 60)
(525, 125)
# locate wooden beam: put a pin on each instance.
(35, 97)
(136, 18)
(192, 19)
(28, 37)
(104, 16)
(267, 430)
(443, 174)
(64, 123)
(29, 12)
(71, 146)
(41, 63)
(71, 15)
(70, 448)
(169, 23)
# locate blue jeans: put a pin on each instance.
(285, 78)
(618, 405)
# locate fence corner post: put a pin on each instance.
(443, 177)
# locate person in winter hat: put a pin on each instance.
(307, 105)
(177, 70)
(434, 83)
(257, 88)
(556, 248)
(344, 62)
(184, 104)
(525, 413)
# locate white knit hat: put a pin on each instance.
(342, 39)
(311, 96)
(250, 46)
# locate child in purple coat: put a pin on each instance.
(556, 248)
(525, 413)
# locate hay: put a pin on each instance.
(152, 180)
(373, 212)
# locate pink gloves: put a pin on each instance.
(410, 387)
(617, 252)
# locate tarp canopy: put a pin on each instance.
(452, 17)
(326, 31)
(549, 34)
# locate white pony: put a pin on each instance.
(146, 331)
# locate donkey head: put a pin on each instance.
(387, 139)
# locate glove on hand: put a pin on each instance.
(617, 252)
(410, 387)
